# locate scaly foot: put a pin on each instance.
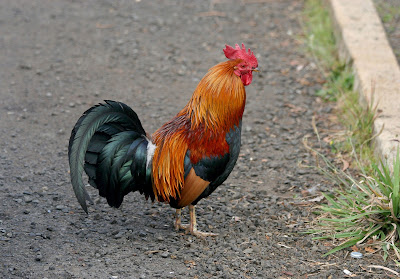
(192, 227)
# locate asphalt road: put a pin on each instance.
(58, 58)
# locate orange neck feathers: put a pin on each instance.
(219, 99)
(216, 106)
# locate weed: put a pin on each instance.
(357, 119)
(320, 40)
(362, 211)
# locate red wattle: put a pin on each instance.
(247, 78)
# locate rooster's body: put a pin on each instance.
(183, 161)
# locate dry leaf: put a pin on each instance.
(327, 139)
(369, 249)
(295, 109)
(285, 43)
(317, 199)
(345, 165)
(285, 71)
(304, 81)
(354, 248)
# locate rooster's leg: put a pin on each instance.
(192, 227)
(178, 223)
(193, 224)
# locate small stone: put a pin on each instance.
(61, 132)
(248, 251)
(97, 216)
(25, 66)
(119, 235)
(347, 272)
(160, 238)
(302, 171)
(23, 178)
(165, 254)
(60, 207)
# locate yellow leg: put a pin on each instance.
(193, 224)
(192, 227)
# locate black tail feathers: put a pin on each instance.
(109, 143)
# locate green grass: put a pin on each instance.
(388, 12)
(320, 40)
(365, 208)
(361, 210)
(357, 119)
(340, 80)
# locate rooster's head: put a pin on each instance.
(247, 62)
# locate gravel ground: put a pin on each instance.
(57, 58)
(389, 12)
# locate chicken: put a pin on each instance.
(184, 161)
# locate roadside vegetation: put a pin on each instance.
(364, 210)
(389, 12)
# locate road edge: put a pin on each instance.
(362, 43)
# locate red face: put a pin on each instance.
(244, 70)
(248, 62)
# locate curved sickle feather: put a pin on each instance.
(84, 130)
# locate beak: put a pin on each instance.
(256, 70)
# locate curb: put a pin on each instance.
(362, 43)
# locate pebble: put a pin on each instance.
(248, 251)
(119, 235)
(60, 207)
(38, 257)
(165, 254)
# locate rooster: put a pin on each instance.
(184, 161)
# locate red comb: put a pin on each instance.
(240, 53)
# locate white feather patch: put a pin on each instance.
(150, 152)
